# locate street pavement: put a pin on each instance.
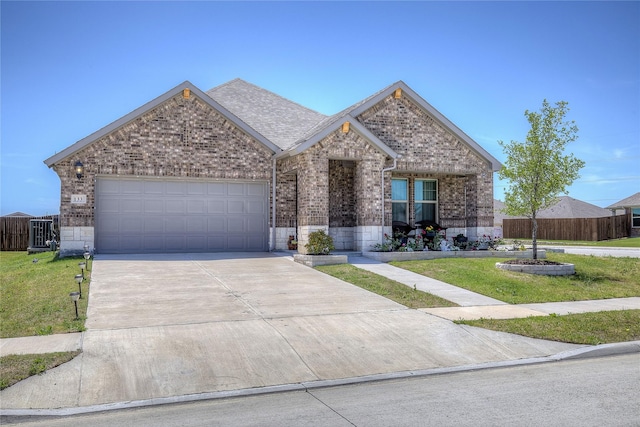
(191, 326)
(586, 392)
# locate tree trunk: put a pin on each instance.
(534, 238)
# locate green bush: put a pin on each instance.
(319, 243)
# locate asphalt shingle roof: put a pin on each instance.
(278, 119)
(329, 119)
(567, 207)
(280, 124)
(293, 127)
(630, 201)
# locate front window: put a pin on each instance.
(399, 200)
(635, 217)
(426, 198)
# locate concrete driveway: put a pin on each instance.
(174, 325)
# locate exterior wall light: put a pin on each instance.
(79, 168)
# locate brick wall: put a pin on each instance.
(315, 178)
(429, 150)
(342, 200)
(179, 138)
(286, 200)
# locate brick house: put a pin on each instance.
(194, 171)
(631, 208)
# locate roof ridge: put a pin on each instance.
(277, 118)
(238, 79)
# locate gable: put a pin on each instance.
(393, 136)
(421, 140)
(180, 137)
(185, 90)
(405, 125)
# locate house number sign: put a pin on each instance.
(79, 199)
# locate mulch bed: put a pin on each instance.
(529, 261)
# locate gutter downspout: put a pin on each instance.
(466, 233)
(395, 164)
(273, 205)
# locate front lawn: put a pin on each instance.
(585, 328)
(388, 288)
(35, 294)
(595, 278)
(16, 367)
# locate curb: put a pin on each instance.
(603, 350)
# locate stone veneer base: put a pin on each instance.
(315, 260)
(546, 270)
(74, 239)
(424, 255)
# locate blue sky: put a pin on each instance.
(71, 68)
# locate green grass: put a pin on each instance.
(16, 367)
(388, 288)
(35, 296)
(586, 328)
(595, 278)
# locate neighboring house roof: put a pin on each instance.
(21, 214)
(566, 207)
(631, 201)
(148, 107)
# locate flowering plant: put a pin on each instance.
(389, 244)
(489, 241)
(428, 230)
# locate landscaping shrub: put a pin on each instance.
(319, 243)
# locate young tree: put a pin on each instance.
(537, 169)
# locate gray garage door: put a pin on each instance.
(146, 216)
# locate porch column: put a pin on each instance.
(369, 202)
(313, 198)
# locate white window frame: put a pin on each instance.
(635, 217)
(403, 201)
(432, 202)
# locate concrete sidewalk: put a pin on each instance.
(475, 306)
(41, 344)
(526, 310)
(444, 290)
(198, 325)
(596, 250)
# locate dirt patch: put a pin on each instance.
(529, 261)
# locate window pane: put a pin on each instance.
(399, 189)
(425, 211)
(399, 212)
(418, 190)
(635, 217)
(425, 190)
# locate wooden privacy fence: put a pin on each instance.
(591, 229)
(14, 231)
